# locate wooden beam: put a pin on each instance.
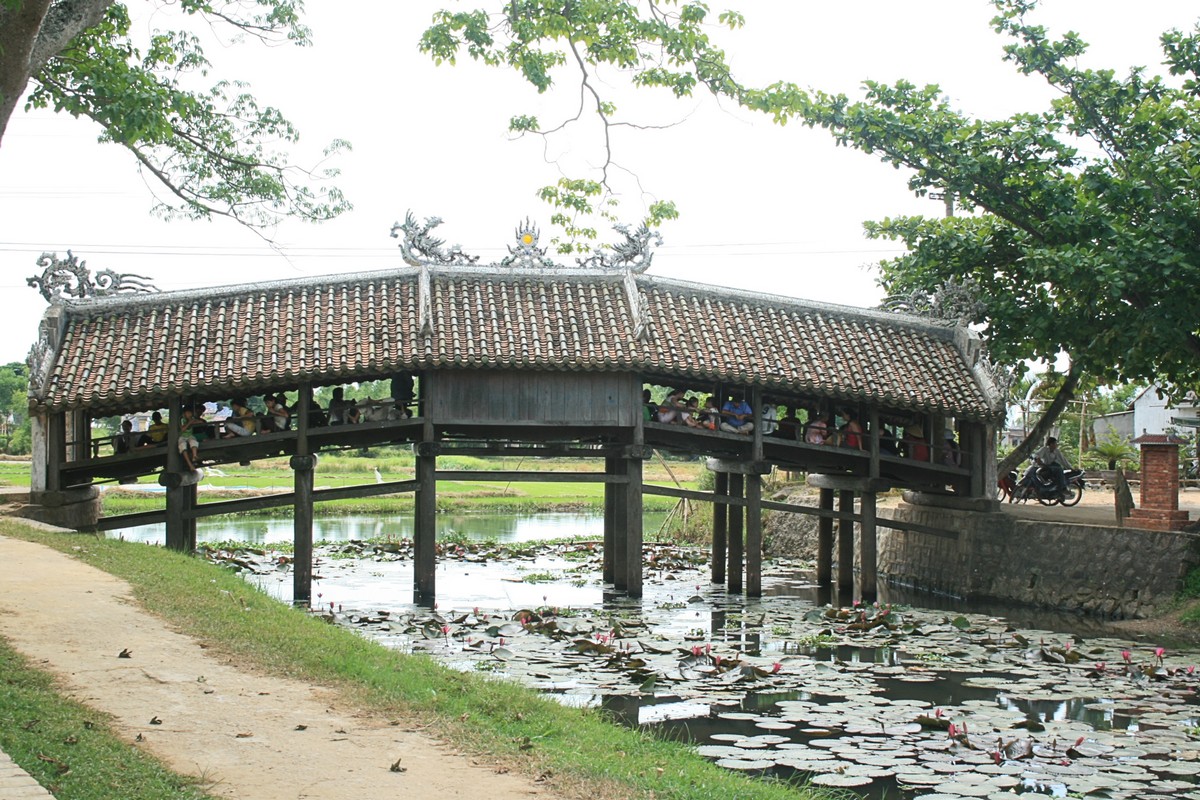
(425, 525)
(825, 540)
(611, 506)
(632, 522)
(754, 536)
(302, 464)
(733, 570)
(56, 450)
(845, 576)
(716, 498)
(868, 564)
(720, 543)
(490, 476)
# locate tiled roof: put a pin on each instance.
(126, 352)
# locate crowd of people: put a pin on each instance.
(821, 426)
(273, 413)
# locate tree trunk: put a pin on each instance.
(1023, 450)
(31, 33)
(19, 28)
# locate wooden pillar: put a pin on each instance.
(868, 563)
(825, 540)
(720, 542)
(754, 535)
(733, 576)
(873, 431)
(632, 524)
(302, 529)
(425, 521)
(303, 465)
(178, 502)
(620, 532)
(56, 450)
(845, 576)
(612, 467)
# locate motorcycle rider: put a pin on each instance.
(1050, 457)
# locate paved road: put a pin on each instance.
(15, 783)
(1096, 508)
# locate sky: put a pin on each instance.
(763, 207)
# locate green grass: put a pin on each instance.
(71, 749)
(585, 753)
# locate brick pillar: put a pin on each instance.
(1159, 493)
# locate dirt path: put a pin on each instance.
(239, 731)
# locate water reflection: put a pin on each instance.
(505, 528)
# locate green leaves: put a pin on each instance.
(659, 46)
(217, 152)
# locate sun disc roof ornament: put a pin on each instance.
(65, 278)
(526, 253)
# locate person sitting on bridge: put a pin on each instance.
(691, 415)
(770, 419)
(402, 394)
(737, 416)
(915, 446)
(789, 425)
(649, 407)
(851, 430)
(671, 410)
(710, 415)
(123, 441)
(1050, 457)
(242, 422)
(951, 454)
(189, 445)
(156, 433)
(277, 418)
(338, 406)
(817, 431)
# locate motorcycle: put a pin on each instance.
(1039, 485)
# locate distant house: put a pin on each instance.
(1153, 412)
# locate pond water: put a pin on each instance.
(907, 701)
(259, 531)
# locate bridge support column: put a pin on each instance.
(302, 529)
(425, 524)
(868, 552)
(631, 521)
(720, 539)
(180, 485)
(845, 577)
(181, 526)
(733, 577)
(867, 489)
(612, 504)
(825, 541)
(754, 535)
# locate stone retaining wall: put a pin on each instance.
(1115, 572)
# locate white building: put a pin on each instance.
(1152, 411)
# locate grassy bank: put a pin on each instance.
(585, 754)
(71, 749)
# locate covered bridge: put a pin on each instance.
(522, 356)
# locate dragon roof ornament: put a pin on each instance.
(66, 278)
(421, 249)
